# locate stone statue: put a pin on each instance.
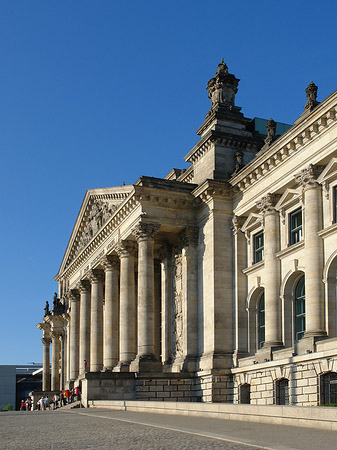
(46, 309)
(222, 87)
(55, 300)
(238, 161)
(311, 92)
(271, 130)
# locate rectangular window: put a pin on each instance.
(258, 247)
(295, 226)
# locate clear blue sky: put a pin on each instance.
(94, 93)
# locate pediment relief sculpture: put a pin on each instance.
(100, 213)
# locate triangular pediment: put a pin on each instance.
(289, 197)
(253, 221)
(98, 207)
(329, 173)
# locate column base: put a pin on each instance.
(318, 333)
(145, 363)
(122, 367)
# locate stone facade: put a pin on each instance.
(216, 283)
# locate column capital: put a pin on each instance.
(145, 231)
(46, 340)
(267, 204)
(74, 295)
(307, 178)
(126, 248)
(189, 236)
(56, 334)
(237, 223)
(83, 286)
(163, 252)
(95, 275)
(110, 262)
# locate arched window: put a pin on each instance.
(282, 392)
(245, 394)
(299, 309)
(261, 322)
(329, 388)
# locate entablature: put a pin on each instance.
(322, 119)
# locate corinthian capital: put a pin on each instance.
(73, 295)
(190, 236)
(126, 248)
(95, 275)
(110, 262)
(83, 286)
(267, 204)
(145, 230)
(308, 177)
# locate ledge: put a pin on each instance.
(292, 248)
(253, 267)
(324, 418)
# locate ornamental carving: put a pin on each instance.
(311, 93)
(237, 223)
(95, 275)
(145, 230)
(308, 177)
(177, 316)
(100, 213)
(267, 204)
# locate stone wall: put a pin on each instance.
(304, 382)
(216, 388)
(175, 388)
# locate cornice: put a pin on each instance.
(211, 188)
(227, 139)
(322, 118)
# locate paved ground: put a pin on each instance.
(93, 429)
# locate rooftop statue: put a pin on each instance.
(311, 92)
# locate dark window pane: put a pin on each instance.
(300, 309)
(258, 247)
(295, 226)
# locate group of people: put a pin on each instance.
(26, 405)
(67, 396)
(64, 398)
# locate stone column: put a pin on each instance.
(190, 304)
(166, 304)
(240, 291)
(272, 271)
(46, 339)
(55, 363)
(74, 333)
(111, 332)
(96, 330)
(84, 288)
(127, 312)
(314, 289)
(145, 233)
(157, 310)
(46, 364)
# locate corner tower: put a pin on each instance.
(228, 140)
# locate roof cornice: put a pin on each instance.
(323, 117)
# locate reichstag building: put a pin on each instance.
(216, 283)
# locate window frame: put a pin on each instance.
(258, 250)
(279, 385)
(261, 328)
(297, 230)
(299, 313)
